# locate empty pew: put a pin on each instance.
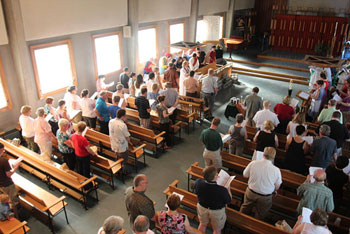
(104, 147)
(13, 226)
(39, 201)
(197, 105)
(234, 218)
(67, 181)
(143, 135)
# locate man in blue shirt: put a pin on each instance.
(115, 107)
(101, 110)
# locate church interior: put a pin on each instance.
(297, 53)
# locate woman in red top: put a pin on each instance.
(344, 90)
(284, 113)
(82, 151)
(212, 55)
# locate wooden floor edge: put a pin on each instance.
(281, 59)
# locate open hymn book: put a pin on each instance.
(224, 179)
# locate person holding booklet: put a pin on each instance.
(238, 135)
(264, 181)
(87, 107)
(212, 200)
(115, 107)
(164, 121)
(171, 100)
(316, 225)
(326, 113)
(144, 108)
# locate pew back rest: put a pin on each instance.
(139, 129)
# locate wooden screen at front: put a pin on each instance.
(303, 33)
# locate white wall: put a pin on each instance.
(3, 32)
(320, 3)
(209, 7)
(244, 4)
(158, 10)
(51, 18)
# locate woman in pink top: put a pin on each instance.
(43, 135)
(318, 224)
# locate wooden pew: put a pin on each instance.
(104, 147)
(101, 166)
(147, 136)
(39, 201)
(234, 218)
(13, 226)
(197, 104)
(67, 181)
(174, 128)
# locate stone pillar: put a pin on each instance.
(20, 53)
(133, 19)
(193, 21)
(229, 18)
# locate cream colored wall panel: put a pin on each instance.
(3, 32)
(209, 7)
(158, 10)
(51, 18)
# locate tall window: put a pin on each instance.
(202, 29)
(5, 101)
(147, 42)
(107, 53)
(176, 34)
(54, 67)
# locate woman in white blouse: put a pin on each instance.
(27, 126)
(184, 73)
(43, 135)
(87, 108)
(73, 102)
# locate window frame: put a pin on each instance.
(184, 31)
(93, 37)
(5, 88)
(32, 48)
(157, 47)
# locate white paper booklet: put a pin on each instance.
(225, 137)
(337, 98)
(312, 172)
(121, 101)
(294, 102)
(14, 162)
(73, 113)
(181, 197)
(259, 155)
(306, 212)
(151, 101)
(48, 117)
(346, 170)
(224, 179)
(171, 109)
(308, 139)
(94, 95)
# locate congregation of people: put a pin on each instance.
(157, 91)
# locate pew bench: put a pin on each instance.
(186, 118)
(235, 218)
(143, 135)
(66, 180)
(13, 226)
(39, 201)
(104, 147)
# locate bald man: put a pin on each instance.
(265, 114)
(315, 195)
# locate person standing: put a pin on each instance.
(82, 150)
(124, 79)
(163, 63)
(184, 74)
(73, 102)
(212, 141)
(315, 195)
(101, 85)
(171, 75)
(65, 145)
(212, 200)
(171, 100)
(114, 107)
(253, 103)
(326, 113)
(264, 181)
(137, 202)
(27, 126)
(212, 55)
(120, 136)
(87, 108)
(208, 92)
(264, 115)
(238, 135)
(194, 62)
(6, 184)
(191, 85)
(144, 108)
(102, 113)
(164, 120)
(150, 82)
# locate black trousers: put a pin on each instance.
(69, 159)
(166, 127)
(90, 122)
(54, 126)
(191, 94)
(173, 116)
(83, 165)
(104, 127)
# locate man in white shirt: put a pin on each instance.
(141, 225)
(150, 82)
(208, 92)
(27, 126)
(120, 136)
(264, 181)
(265, 114)
(194, 62)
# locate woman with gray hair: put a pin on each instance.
(65, 145)
(111, 225)
(318, 225)
(43, 135)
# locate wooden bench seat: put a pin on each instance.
(235, 218)
(13, 226)
(153, 141)
(67, 181)
(39, 201)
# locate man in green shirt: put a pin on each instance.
(326, 113)
(212, 141)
